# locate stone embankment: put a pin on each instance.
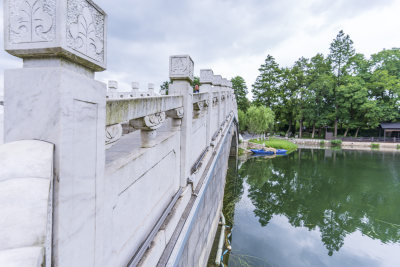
(345, 145)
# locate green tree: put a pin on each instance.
(266, 86)
(287, 99)
(240, 88)
(260, 119)
(165, 87)
(320, 82)
(242, 120)
(341, 51)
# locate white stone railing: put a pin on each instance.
(110, 188)
(26, 199)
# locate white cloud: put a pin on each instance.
(230, 36)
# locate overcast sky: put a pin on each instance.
(232, 37)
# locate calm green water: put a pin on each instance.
(315, 208)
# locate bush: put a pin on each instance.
(336, 142)
(398, 146)
(322, 143)
(374, 146)
(277, 144)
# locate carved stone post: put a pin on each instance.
(231, 93)
(55, 98)
(135, 89)
(206, 79)
(181, 73)
(225, 103)
(151, 89)
(148, 126)
(217, 82)
(112, 91)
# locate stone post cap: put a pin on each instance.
(181, 67)
(112, 85)
(206, 76)
(73, 29)
(217, 80)
(225, 82)
(135, 86)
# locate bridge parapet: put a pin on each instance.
(126, 164)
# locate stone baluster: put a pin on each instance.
(135, 89)
(176, 115)
(206, 79)
(151, 89)
(112, 86)
(55, 98)
(181, 73)
(148, 126)
(112, 89)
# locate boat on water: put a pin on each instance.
(263, 152)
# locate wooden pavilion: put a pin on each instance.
(391, 129)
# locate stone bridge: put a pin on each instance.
(97, 177)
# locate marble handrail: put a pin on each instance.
(124, 110)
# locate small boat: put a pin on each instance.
(281, 151)
(261, 152)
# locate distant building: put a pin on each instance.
(391, 129)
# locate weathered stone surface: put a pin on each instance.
(26, 177)
(22, 257)
(125, 110)
(113, 134)
(181, 68)
(75, 29)
(217, 80)
(206, 76)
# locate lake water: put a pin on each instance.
(315, 208)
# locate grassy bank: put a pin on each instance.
(277, 144)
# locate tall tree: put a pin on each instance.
(240, 88)
(341, 51)
(320, 85)
(266, 86)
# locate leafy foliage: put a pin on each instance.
(240, 88)
(344, 90)
(336, 142)
(260, 119)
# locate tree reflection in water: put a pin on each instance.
(337, 192)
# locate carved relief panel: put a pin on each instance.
(74, 28)
(181, 67)
(31, 21)
(206, 76)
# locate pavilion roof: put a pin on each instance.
(391, 125)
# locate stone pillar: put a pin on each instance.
(112, 89)
(151, 89)
(217, 82)
(55, 98)
(135, 89)
(181, 73)
(112, 86)
(206, 79)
